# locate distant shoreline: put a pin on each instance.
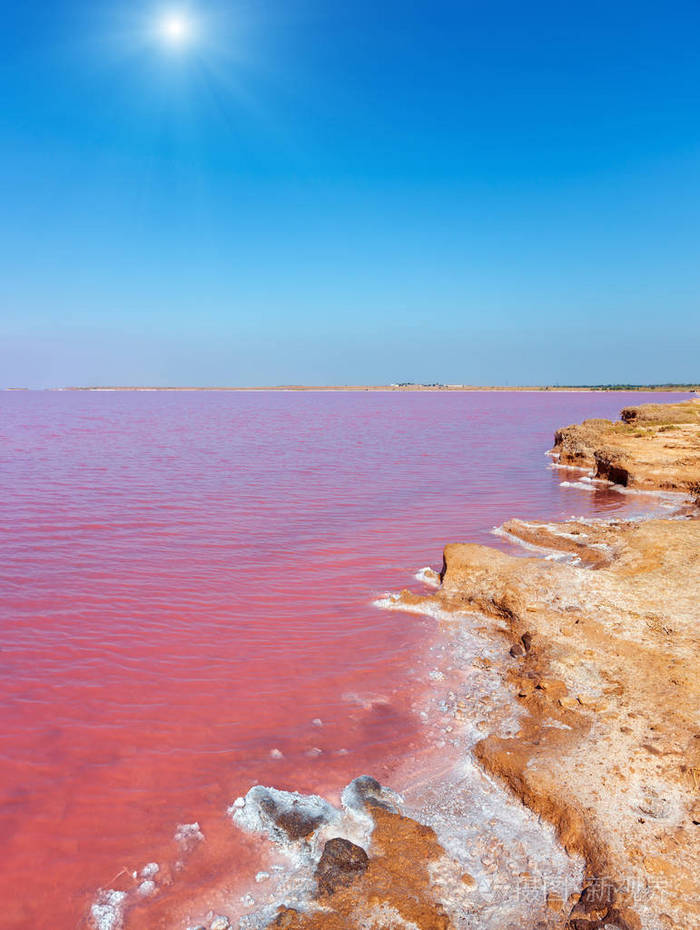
(399, 388)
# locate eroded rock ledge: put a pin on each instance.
(653, 446)
(609, 750)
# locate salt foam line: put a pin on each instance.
(553, 555)
(428, 576)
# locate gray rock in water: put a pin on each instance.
(298, 819)
(366, 792)
(283, 815)
(341, 863)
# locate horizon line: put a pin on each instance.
(393, 387)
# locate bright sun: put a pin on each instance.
(176, 29)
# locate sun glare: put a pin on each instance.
(176, 30)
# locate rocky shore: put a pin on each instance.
(609, 749)
(653, 447)
(597, 646)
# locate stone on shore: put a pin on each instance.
(340, 864)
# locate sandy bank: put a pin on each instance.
(608, 675)
(607, 671)
(653, 446)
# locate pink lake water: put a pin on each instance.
(186, 588)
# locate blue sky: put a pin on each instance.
(316, 192)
